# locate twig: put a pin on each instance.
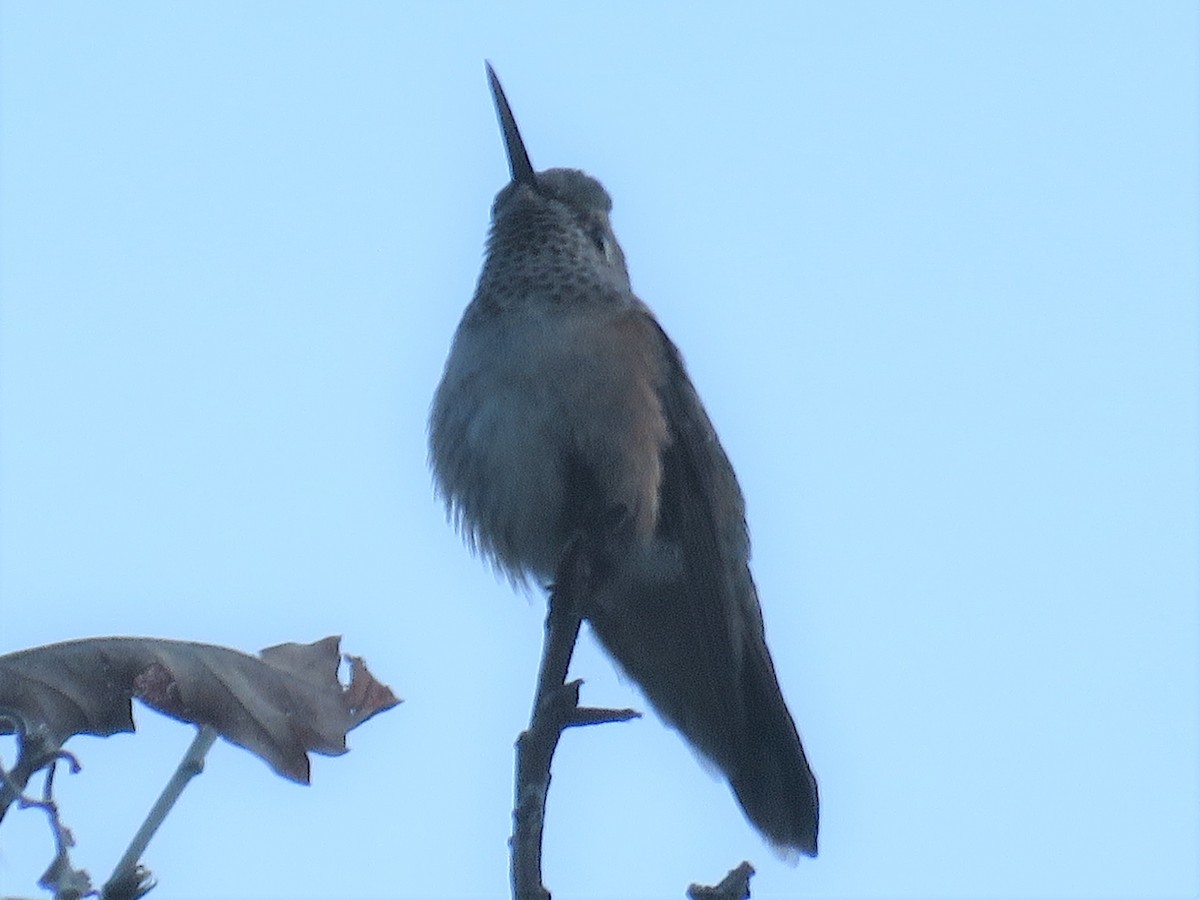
(67, 882)
(553, 705)
(734, 886)
(129, 880)
(36, 749)
(555, 708)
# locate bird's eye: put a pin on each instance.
(599, 237)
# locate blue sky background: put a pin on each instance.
(933, 267)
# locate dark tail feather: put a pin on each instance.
(771, 776)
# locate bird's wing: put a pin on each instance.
(693, 638)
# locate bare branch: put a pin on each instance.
(129, 880)
(555, 708)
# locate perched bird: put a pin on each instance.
(565, 411)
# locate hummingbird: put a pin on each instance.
(564, 411)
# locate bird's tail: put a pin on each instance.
(720, 691)
(770, 774)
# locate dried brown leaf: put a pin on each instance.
(280, 705)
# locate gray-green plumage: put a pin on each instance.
(562, 403)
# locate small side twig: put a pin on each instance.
(36, 749)
(130, 880)
(67, 882)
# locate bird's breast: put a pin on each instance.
(544, 416)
